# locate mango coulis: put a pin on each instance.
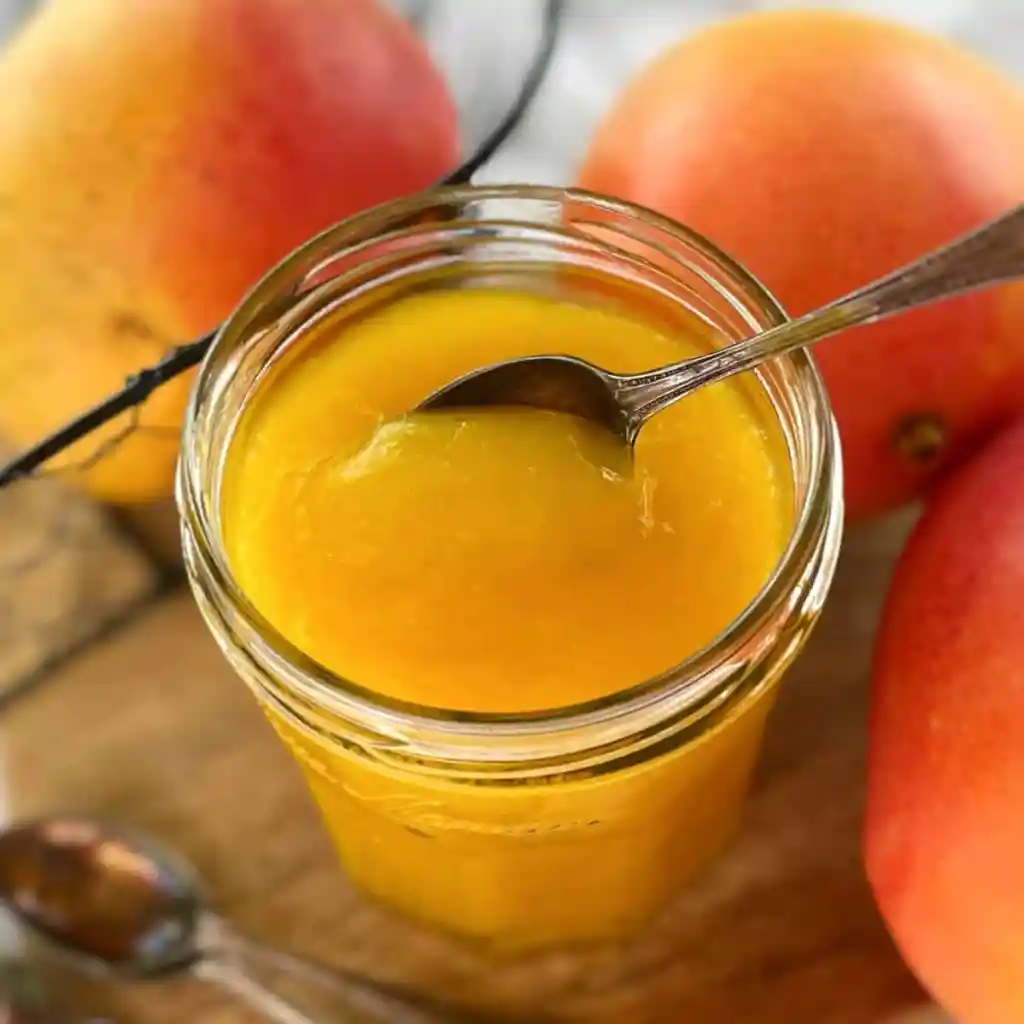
(497, 560)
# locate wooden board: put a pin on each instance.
(150, 727)
(67, 573)
(156, 527)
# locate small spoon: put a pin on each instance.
(624, 402)
(122, 905)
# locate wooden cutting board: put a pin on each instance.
(150, 727)
(67, 573)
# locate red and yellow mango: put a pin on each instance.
(156, 158)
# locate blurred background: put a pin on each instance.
(604, 41)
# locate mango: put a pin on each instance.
(156, 158)
(823, 149)
(944, 825)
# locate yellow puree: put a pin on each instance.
(505, 562)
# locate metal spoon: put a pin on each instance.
(624, 402)
(122, 905)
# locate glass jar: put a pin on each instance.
(541, 829)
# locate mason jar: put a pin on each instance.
(540, 830)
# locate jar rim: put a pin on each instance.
(817, 523)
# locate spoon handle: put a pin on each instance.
(287, 990)
(992, 253)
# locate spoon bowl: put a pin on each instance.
(623, 403)
(557, 383)
(121, 903)
(117, 899)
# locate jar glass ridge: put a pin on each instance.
(539, 238)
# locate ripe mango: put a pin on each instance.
(156, 157)
(944, 828)
(824, 149)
